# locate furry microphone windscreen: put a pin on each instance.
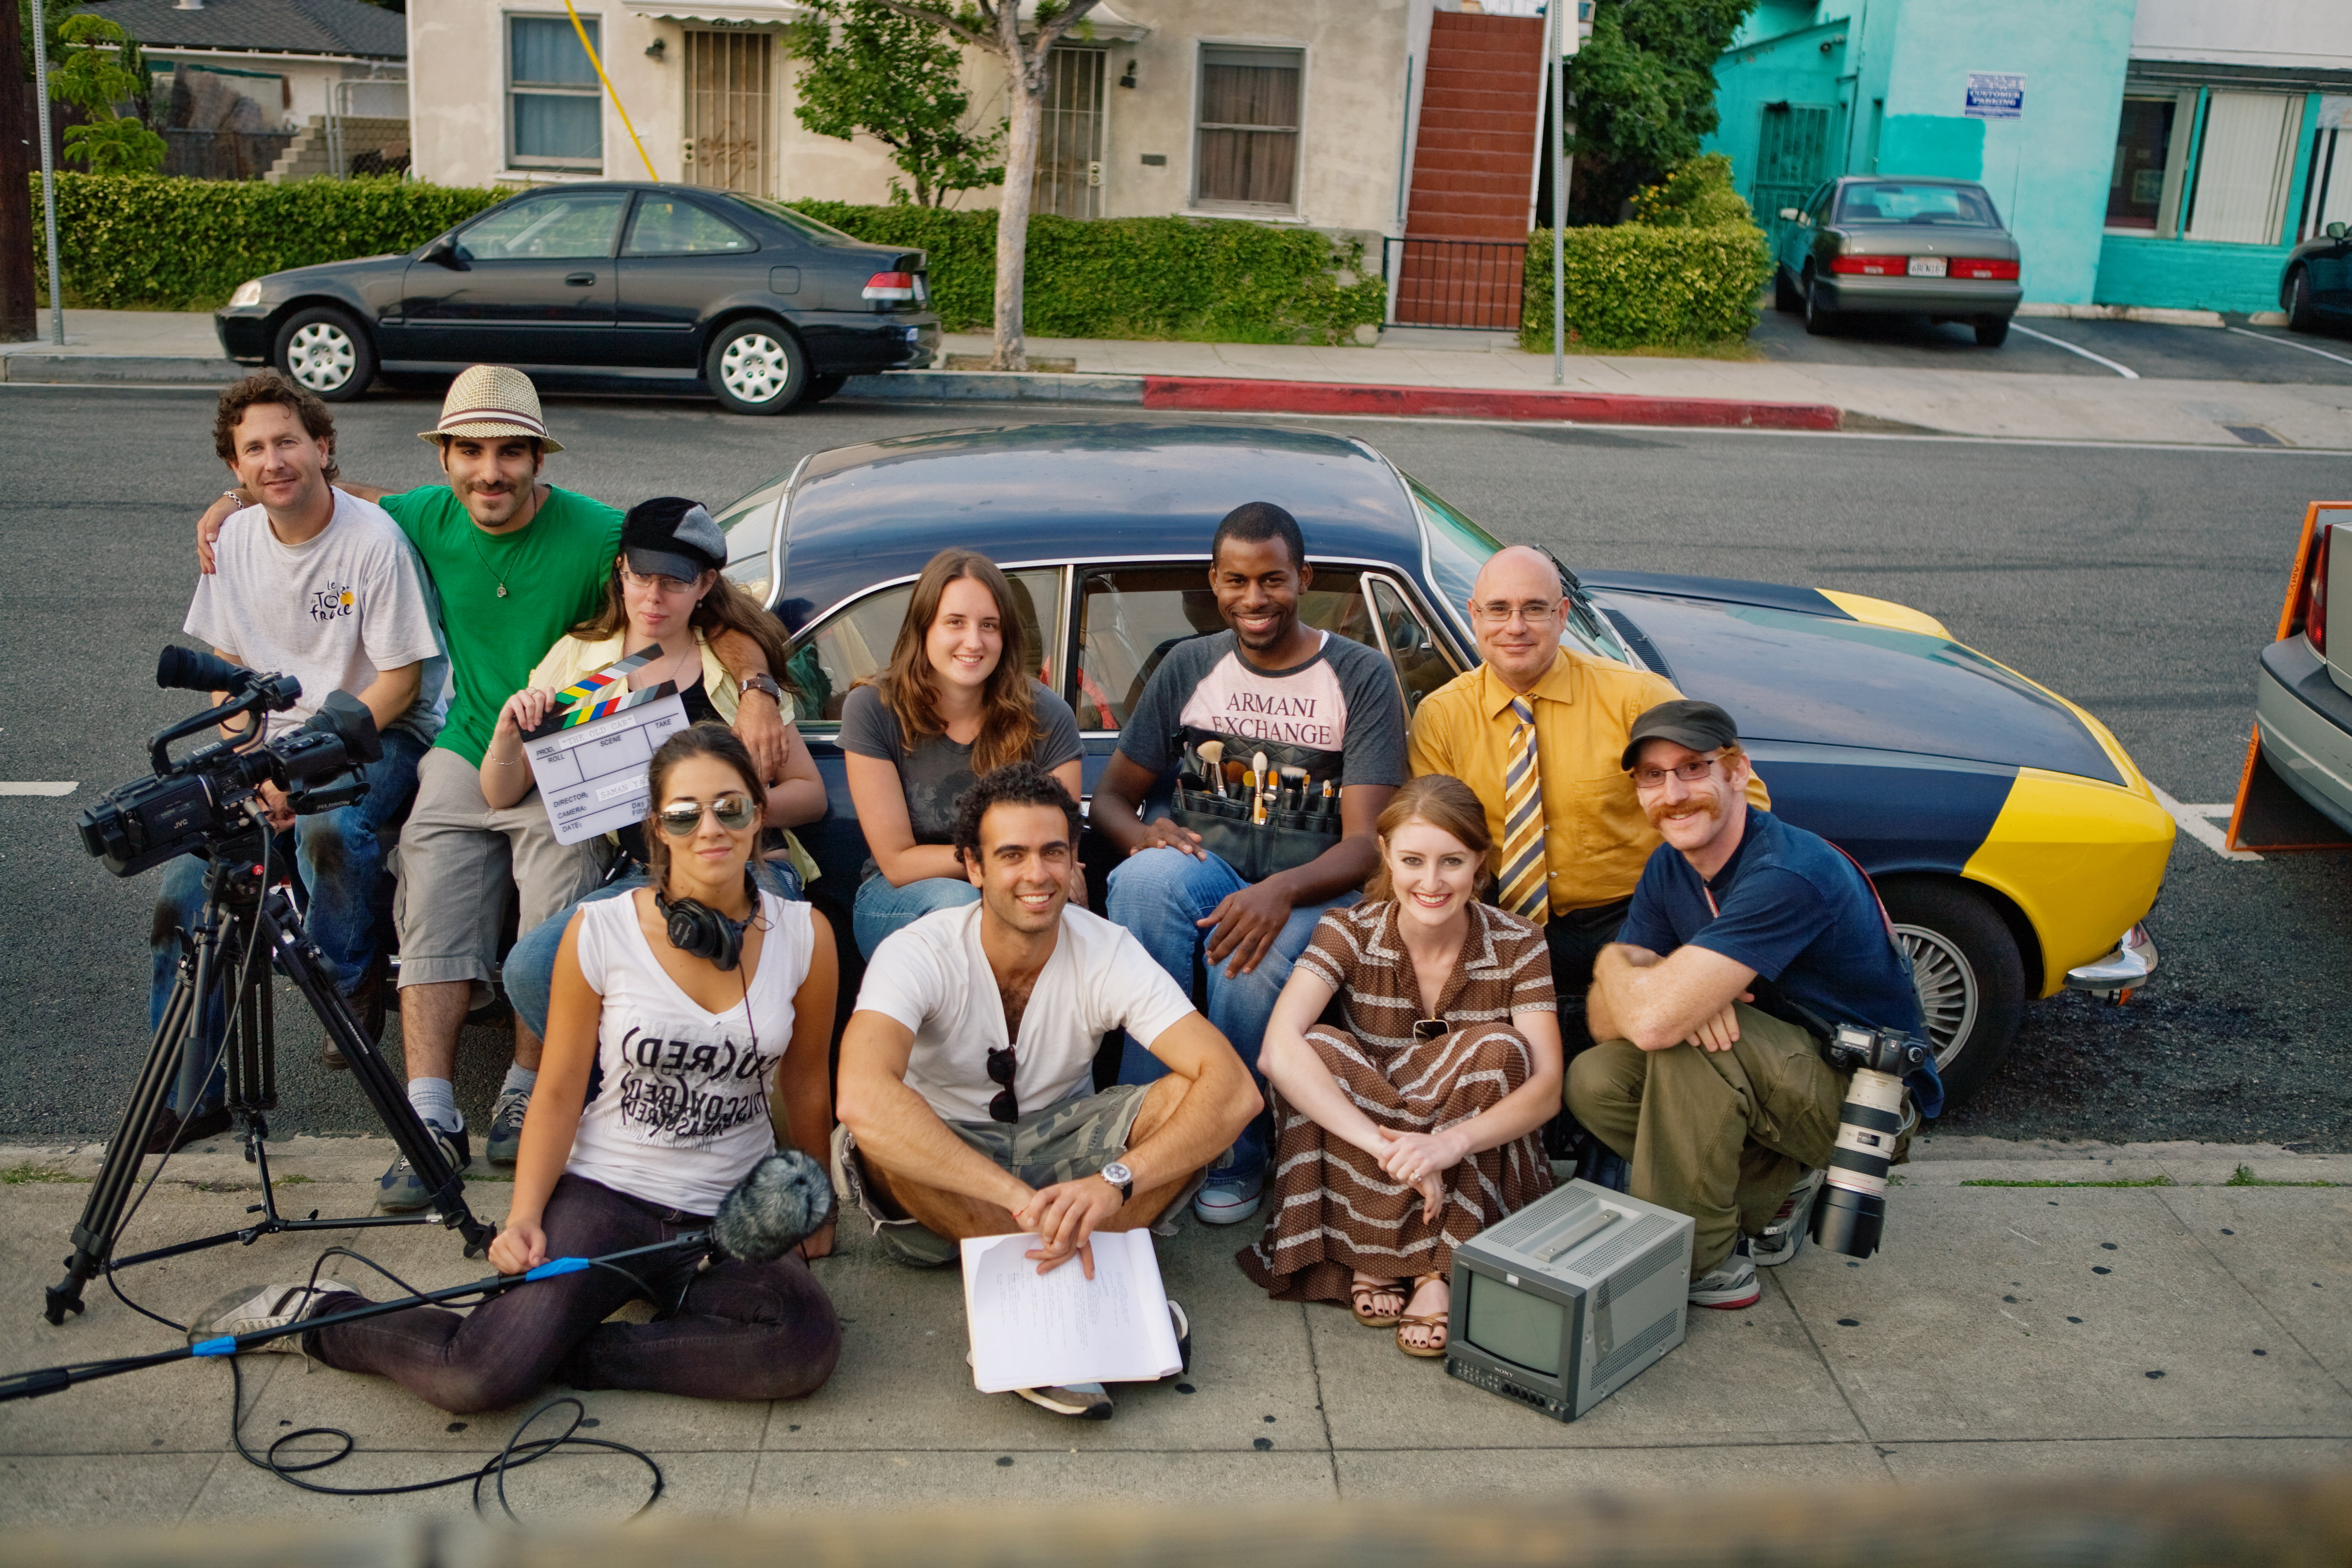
(786, 1197)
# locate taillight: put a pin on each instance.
(1871, 266)
(890, 286)
(1983, 267)
(2315, 595)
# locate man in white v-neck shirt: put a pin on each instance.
(966, 1088)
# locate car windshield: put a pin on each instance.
(1893, 201)
(1456, 548)
(809, 228)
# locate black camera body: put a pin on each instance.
(1851, 1214)
(206, 797)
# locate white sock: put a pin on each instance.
(518, 1081)
(436, 1100)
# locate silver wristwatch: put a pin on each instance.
(1120, 1176)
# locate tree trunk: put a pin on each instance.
(1023, 87)
(19, 320)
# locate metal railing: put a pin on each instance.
(1471, 283)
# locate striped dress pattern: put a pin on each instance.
(1335, 1210)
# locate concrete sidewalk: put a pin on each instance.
(2038, 1311)
(1425, 371)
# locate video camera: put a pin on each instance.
(208, 795)
(1850, 1213)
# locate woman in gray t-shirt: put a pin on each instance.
(956, 701)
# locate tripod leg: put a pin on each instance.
(300, 962)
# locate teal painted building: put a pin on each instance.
(2144, 152)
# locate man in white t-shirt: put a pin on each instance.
(318, 585)
(966, 1086)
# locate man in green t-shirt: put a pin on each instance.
(516, 563)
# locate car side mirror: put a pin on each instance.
(444, 252)
(2335, 231)
(1788, 214)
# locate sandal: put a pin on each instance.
(1424, 1320)
(1361, 1293)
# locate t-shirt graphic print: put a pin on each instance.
(1337, 715)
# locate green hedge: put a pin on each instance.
(133, 240)
(1196, 280)
(1634, 286)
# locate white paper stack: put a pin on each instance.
(1036, 1330)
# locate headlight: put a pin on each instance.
(247, 292)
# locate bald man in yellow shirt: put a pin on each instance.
(1570, 834)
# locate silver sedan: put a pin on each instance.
(1866, 245)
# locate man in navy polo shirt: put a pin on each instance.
(1747, 940)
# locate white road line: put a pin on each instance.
(2122, 370)
(2194, 821)
(65, 788)
(2290, 344)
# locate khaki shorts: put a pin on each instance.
(459, 857)
(1061, 1143)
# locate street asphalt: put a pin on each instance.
(2046, 345)
(2140, 580)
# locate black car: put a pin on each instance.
(769, 307)
(2316, 289)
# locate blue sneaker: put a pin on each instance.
(504, 1145)
(402, 1191)
(1228, 1197)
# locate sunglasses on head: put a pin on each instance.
(735, 812)
(1001, 1065)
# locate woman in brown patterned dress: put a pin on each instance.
(1408, 1132)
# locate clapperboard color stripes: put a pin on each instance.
(589, 758)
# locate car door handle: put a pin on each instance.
(581, 278)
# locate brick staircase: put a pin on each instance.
(1473, 167)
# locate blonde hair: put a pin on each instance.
(1446, 803)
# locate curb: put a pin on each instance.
(2163, 314)
(184, 369)
(993, 386)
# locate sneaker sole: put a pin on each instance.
(1227, 1213)
(1730, 1306)
(1037, 1396)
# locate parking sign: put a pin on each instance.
(1996, 95)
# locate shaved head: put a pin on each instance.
(1515, 610)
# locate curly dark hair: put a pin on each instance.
(1015, 783)
(269, 386)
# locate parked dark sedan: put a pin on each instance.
(1898, 247)
(770, 308)
(2015, 843)
(2315, 288)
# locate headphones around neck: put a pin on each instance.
(702, 931)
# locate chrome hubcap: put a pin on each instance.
(754, 368)
(321, 357)
(1947, 988)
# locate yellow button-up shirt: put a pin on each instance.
(1596, 835)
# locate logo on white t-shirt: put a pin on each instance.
(334, 601)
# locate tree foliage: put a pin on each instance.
(102, 67)
(1644, 94)
(1699, 194)
(865, 67)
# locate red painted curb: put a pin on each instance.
(1246, 395)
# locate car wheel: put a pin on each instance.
(821, 387)
(1992, 332)
(1819, 318)
(2300, 316)
(1785, 296)
(1971, 977)
(323, 351)
(755, 367)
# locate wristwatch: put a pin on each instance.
(765, 682)
(1120, 1176)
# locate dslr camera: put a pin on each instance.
(213, 794)
(1850, 1213)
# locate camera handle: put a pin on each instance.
(235, 915)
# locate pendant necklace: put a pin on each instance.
(485, 560)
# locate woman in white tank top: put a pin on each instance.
(688, 1027)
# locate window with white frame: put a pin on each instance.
(554, 114)
(1246, 145)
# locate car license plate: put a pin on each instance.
(1928, 267)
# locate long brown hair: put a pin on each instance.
(727, 608)
(1008, 712)
(1446, 803)
(704, 740)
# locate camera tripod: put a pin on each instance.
(244, 930)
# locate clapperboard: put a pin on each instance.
(590, 757)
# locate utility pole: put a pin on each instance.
(1556, 23)
(19, 314)
(48, 172)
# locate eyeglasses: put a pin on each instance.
(1001, 1065)
(735, 812)
(1689, 773)
(1500, 613)
(659, 582)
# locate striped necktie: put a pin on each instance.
(1525, 887)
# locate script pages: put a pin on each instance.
(1034, 1330)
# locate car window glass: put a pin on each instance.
(671, 226)
(1421, 662)
(749, 527)
(854, 644)
(1894, 201)
(800, 222)
(1819, 208)
(1456, 548)
(546, 228)
(1129, 617)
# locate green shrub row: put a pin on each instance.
(130, 240)
(1636, 285)
(1198, 279)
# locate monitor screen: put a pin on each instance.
(1517, 1325)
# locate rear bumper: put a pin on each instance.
(2115, 973)
(2305, 722)
(1921, 295)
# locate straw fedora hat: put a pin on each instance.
(491, 400)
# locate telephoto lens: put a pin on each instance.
(1850, 1213)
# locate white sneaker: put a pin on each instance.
(1731, 1285)
(1226, 1198)
(1080, 1401)
(272, 1307)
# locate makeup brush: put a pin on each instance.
(1235, 775)
(1213, 754)
(1296, 776)
(1260, 781)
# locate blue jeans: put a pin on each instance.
(882, 910)
(529, 973)
(338, 858)
(1161, 895)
